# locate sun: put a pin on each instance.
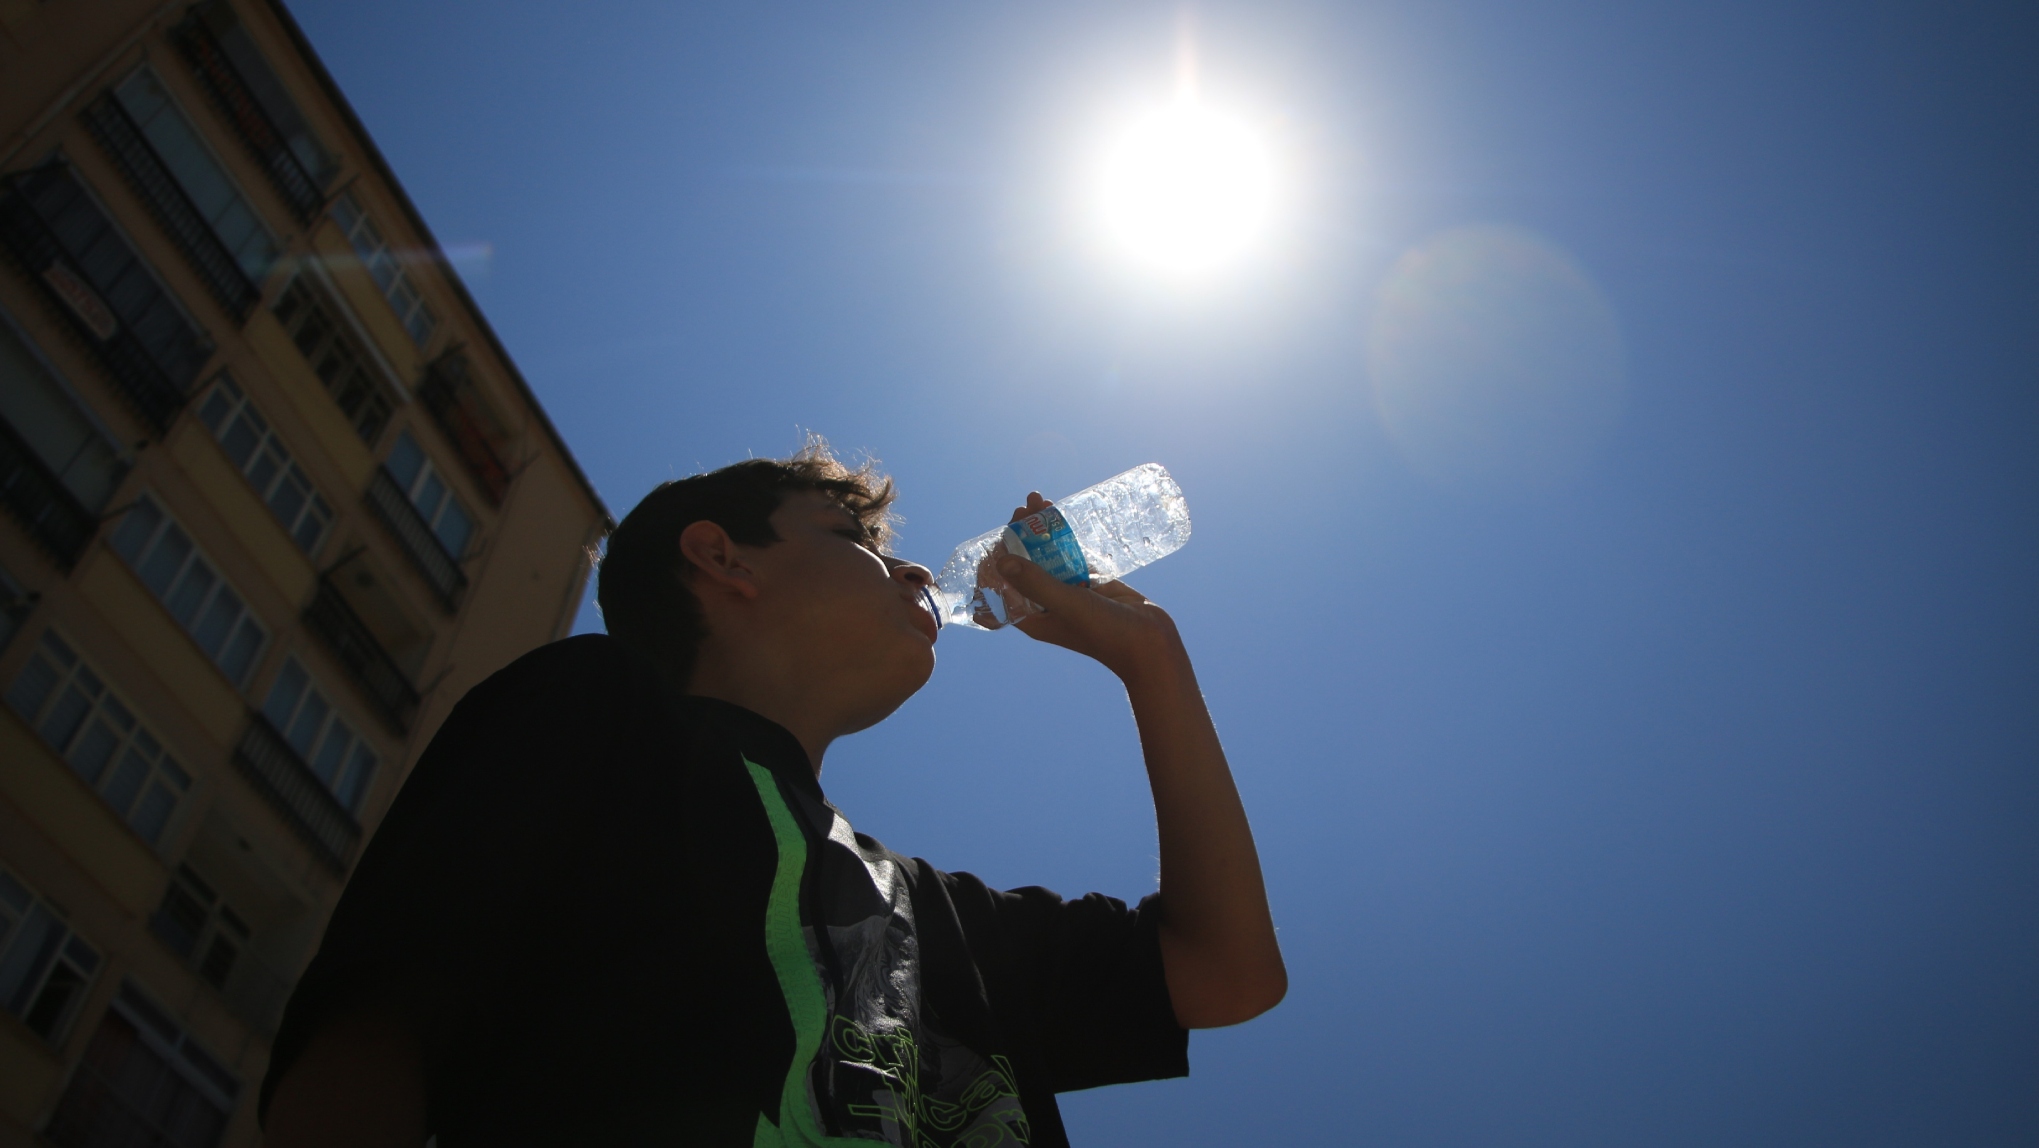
(1185, 190)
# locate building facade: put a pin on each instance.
(272, 498)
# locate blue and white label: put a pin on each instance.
(1045, 537)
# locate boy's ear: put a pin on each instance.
(717, 560)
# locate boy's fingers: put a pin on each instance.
(1119, 592)
(1034, 502)
(1036, 583)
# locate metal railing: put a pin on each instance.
(382, 681)
(137, 159)
(414, 535)
(283, 779)
(57, 521)
(441, 392)
(151, 352)
(258, 133)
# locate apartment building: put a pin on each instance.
(272, 498)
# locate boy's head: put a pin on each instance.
(777, 560)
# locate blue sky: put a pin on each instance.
(1682, 793)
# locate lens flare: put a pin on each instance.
(1186, 190)
(1497, 363)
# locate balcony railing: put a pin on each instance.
(449, 395)
(294, 791)
(57, 521)
(58, 235)
(237, 103)
(384, 682)
(117, 133)
(440, 570)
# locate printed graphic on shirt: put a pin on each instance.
(870, 1064)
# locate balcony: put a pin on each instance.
(237, 102)
(110, 301)
(336, 358)
(380, 678)
(57, 521)
(458, 409)
(116, 132)
(440, 570)
(296, 793)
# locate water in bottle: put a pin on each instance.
(1099, 534)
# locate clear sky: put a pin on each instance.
(1615, 476)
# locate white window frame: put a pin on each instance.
(428, 472)
(85, 721)
(62, 950)
(386, 268)
(225, 410)
(347, 769)
(143, 545)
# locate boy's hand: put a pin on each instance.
(1112, 622)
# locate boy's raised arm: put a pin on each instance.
(1218, 943)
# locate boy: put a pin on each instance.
(611, 905)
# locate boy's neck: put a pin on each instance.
(776, 696)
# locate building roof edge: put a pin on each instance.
(417, 222)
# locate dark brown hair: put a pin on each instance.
(643, 591)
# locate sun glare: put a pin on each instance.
(1186, 190)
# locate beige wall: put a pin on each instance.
(526, 567)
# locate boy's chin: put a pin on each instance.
(905, 682)
(910, 682)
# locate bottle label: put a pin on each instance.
(1045, 537)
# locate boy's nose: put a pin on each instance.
(913, 574)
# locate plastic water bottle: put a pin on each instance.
(1099, 534)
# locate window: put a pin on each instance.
(44, 967)
(384, 268)
(192, 164)
(313, 727)
(199, 927)
(335, 358)
(111, 299)
(248, 440)
(170, 565)
(450, 391)
(69, 705)
(421, 483)
(53, 424)
(143, 1081)
(268, 91)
